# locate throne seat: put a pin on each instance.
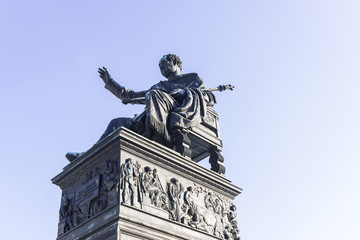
(205, 141)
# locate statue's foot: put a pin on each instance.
(148, 133)
(157, 138)
(181, 142)
(71, 156)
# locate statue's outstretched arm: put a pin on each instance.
(114, 87)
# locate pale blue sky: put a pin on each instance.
(290, 129)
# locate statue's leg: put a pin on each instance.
(181, 141)
(158, 106)
(124, 195)
(114, 125)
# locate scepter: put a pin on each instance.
(220, 88)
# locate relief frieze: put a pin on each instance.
(193, 206)
(142, 187)
(96, 193)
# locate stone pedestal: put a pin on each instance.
(128, 187)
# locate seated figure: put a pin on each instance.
(171, 106)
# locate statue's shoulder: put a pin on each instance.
(159, 85)
(192, 75)
(193, 80)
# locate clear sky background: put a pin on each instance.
(290, 129)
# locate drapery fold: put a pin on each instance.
(166, 112)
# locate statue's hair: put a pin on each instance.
(175, 59)
(147, 169)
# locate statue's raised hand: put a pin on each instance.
(104, 74)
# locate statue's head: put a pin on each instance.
(65, 195)
(170, 66)
(174, 180)
(148, 169)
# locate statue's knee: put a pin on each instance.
(113, 122)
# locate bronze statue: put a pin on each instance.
(170, 106)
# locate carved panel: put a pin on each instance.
(210, 119)
(194, 206)
(88, 191)
(97, 191)
(145, 188)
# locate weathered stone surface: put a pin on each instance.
(129, 187)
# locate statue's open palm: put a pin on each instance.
(104, 74)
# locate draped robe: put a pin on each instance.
(165, 112)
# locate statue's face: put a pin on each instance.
(167, 67)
